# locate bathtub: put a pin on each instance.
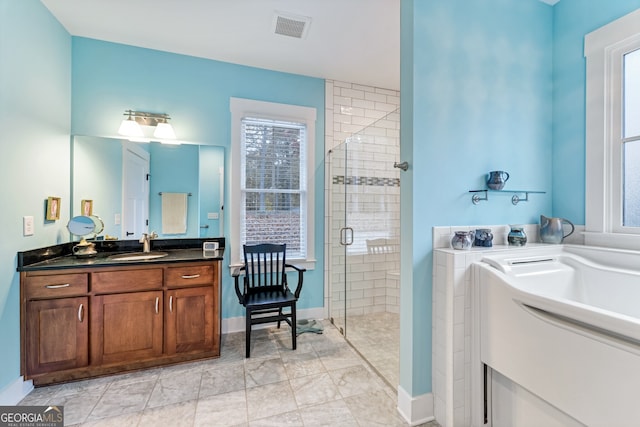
(563, 322)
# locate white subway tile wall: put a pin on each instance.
(369, 119)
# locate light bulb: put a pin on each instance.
(164, 131)
(129, 127)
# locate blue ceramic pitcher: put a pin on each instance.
(497, 180)
(552, 229)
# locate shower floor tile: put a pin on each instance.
(376, 336)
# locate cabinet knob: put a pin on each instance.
(171, 304)
(157, 304)
(81, 313)
(190, 276)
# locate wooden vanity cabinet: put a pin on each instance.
(58, 335)
(55, 330)
(126, 315)
(190, 321)
(126, 327)
(107, 320)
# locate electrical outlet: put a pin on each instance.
(116, 219)
(27, 226)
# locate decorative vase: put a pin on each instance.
(483, 238)
(497, 179)
(517, 236)
(462, 240)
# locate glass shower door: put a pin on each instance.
(362, 226)
(364, 259)
(340, 235)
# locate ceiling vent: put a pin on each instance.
(290, 25)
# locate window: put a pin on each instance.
(272, 181)
(630, 138)
(613, 133)
(273, 186)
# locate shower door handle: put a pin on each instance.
(344, 233)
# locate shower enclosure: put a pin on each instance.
(364, 249)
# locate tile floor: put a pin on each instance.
(323, 383)
(376, 336)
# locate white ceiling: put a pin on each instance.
(348, 40)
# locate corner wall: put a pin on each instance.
(478, 76)
(35, 116)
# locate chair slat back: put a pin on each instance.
(265, 266)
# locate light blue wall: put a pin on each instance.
(480, 82)
(174, 169)
(35, 105)
(411, 357)
(573, 19)
(109, 78)
(97, 176)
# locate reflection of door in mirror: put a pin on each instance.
(135, 191)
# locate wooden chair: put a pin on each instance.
(265, 292)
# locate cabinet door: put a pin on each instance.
(190, 320)
(126, 327)
(58, 334)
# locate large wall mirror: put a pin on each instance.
(179, 189)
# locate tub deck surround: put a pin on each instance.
(61, 256)
(451, 328)
(561, 322)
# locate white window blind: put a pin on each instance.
(274, 184)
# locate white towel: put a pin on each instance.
(174, 213)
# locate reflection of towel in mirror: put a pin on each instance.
(174, 213)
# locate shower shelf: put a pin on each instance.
(515, 199)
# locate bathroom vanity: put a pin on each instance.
(83, 318)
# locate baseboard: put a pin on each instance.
(237, 324)
(15, 392)
(415, 410)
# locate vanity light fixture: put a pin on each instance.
(131, 125)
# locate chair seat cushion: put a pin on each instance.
(268, 298)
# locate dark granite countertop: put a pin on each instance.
(60, 257)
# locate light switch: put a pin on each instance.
(27, 226)
(213, 215)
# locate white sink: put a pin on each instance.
(138, 256)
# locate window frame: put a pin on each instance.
(242, 108)
(604, 51)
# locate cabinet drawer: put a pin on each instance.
(187, 275)
(56, 285)
(106, 282)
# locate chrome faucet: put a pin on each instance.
(146, 241)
